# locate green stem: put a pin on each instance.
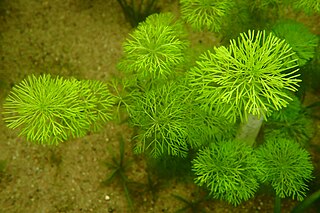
(277, 204)
(249, 130)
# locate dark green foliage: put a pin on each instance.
(251, 76)
(154, 49)
(298, 36)
(291, 123)
(119, 167)
(307, 202)
(286, 166)
(206, 14)
(193, 205)
(309, 6)
(51, 110)
(167, 167)
(228, 169)
(137, 11)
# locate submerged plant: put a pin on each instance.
(155, 48)
(206, 14)
(137, 11)
(119, 166)
(228, 169)
(51, 110)
(193, 205)
(286, 166)
(298, 36)
(309, 6)
(291, 122)
(251, 76)
(160, 114)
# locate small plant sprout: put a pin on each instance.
(250, 78)
(49, 110)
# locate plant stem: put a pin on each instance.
(249, 130)
(277, 204)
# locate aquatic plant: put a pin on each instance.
(119, 166)
(192, 205)
(137, 11)
(49, 110)
(309, 6)
(228, 169)
(286, 166)
(298, 36)
(251, 76)
(154, 49)
(206, 14)
(160, 114)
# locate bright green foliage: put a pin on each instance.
(160, 115)
(251, 76)
(50, 110)
(228, 169)
(298, 36)
(309, 6)
(155, 48)
(206, 14)
(286, 166)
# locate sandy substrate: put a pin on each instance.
(79, 38)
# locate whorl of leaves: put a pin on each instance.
(51, 110)
(206, 14)
(154, 48)
(286, 166)
(251, 76)
(228, 169)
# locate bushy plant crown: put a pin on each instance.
(286, 166)
(50, 110)
(228, 169)
(154, 48)
(251, 76)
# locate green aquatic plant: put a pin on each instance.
(206, 14)
(119, 166)
(160, 114)
(298, 36)
(49, 110)
(251, 76)
(291, 122)
(155, 48)
(309, 6)
(138, 10)
(286, 166)
(228, 169)
(193, 205)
